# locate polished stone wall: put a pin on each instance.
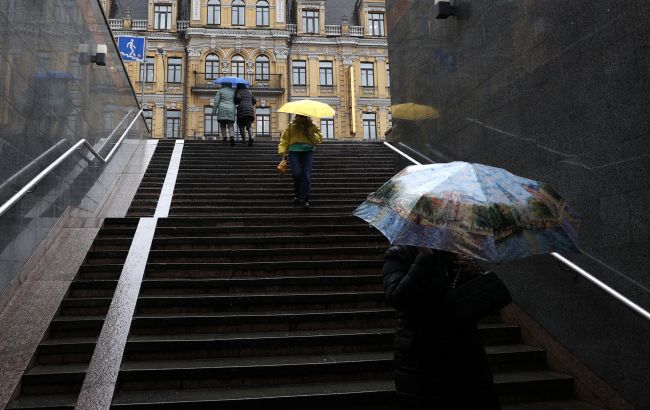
(557, 91)
(51, 96)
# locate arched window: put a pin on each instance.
(211, 67)
(262, 13)
(238, 13)
(214, 12)
(262, 68)
(237, 68)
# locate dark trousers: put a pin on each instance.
(245, 123)
(301, 162)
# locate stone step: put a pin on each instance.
(259, 302)
(260, 284)
(371, 238)
(279, 268)
(261, 321)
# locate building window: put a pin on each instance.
(299, 69)
(369, 126)
(237, 68)
(367, 75)
(326, 72)
(327, 128)
(148, 117)
(262, 68)
(211, 67)
(262, 13)
(390, 119)
(173, 120)
(310, 21)
(214, 12)
(376, 23)
(146, 69)
(174, 70)
(162, 17)
(263, 122)
(387, 75)
(210, 124)
(238, 13)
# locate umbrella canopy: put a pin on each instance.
(310, 108)
(232, 80)
(412, 111)
(476, 209)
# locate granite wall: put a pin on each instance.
(52, 96)
(557, 91)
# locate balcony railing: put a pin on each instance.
(291, 28)
(356, 31)
(268, 81)
(115, 24)
(332, 30)
(139, 25)
(182, 25)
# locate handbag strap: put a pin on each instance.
(476, 267)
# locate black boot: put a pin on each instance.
(232, 142)
(250, 142)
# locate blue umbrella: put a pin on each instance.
(232, 80)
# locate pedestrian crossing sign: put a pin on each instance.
(131, 48)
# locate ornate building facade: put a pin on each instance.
(334, 51)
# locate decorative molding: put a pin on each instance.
(281, 53)
(194, 51)
(375, 102)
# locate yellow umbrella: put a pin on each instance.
(310, 108)
(412, 111)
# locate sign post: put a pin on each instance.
(133, 48)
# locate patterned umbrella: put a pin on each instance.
(476, 209)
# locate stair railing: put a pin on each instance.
(603, 286)
(81, 143)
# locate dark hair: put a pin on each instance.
(304, 123)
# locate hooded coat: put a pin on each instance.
(224, 104)
(245, 102)
(440, 363)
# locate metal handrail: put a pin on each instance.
(627, 302)
(10, 181)
(38, 178)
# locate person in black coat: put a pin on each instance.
(440, 362)
(245, 101)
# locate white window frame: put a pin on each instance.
(262, 121)
(162, 16)
(327, 128)
(174, 69)
(299, 71)
(238, 13)
(376, 25)
(326, 73)
(310, 21)
(214, 12)
(367, 74)
(369, 120)
(262, 13)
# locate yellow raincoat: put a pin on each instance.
(294, 134)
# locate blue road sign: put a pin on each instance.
(131, 48)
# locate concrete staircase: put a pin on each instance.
(248, 302)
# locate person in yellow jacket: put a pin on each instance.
(298, 142)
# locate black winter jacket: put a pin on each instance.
(439, 362)
(245, 102)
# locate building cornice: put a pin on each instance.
(233, 33)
